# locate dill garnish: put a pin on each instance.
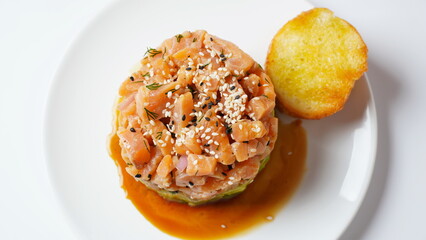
(146, 75)
(151, 115)
(159, 135)
(146, 146)
(152, 52)
(178, 37)
(153, 86)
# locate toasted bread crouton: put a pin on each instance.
(314, 61)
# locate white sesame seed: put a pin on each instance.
(210, 141)
(253, 150)
(164, 144)
(215, 134)
(208, 137)
(236, 72)
(223, 226)
(270, 218)
(177, 87)
(240, 126)
(203, 135)
(208, 130)
(216, 143)
(152, 122)
(230, 182)
(231, 178)
(169, 94)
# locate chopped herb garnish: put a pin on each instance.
(146, 74)
(265, 95)
(245, 141)
(178, 37)
(132, 130)
(129, 164)
(152, 52)
(146, 146)
(138, 175)
(174, 192)
(153, 86)
(267, 80)
(132, 78)
(137, 81)
(151, 115)
(234, 75)
(159, 135)
(260, 66)
(171, 90)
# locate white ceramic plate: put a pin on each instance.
(341, 148)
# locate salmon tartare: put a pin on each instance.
(196, 120)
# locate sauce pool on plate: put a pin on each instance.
(259, 203)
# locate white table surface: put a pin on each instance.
(35, 35)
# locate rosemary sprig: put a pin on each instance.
(153, 86)
(152, 52)
(151, 115)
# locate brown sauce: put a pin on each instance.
(272, 188)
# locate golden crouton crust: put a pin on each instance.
(314, 61)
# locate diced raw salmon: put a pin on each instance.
(161, 136)
(238, 61)
(182, 109)
(246, 130)
(135, 147)
(240, 151)
(251, 84)
(260, 107)
(200, 165)
(165, 166)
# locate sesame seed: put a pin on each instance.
(215, 134)
(152, 122)
(223, 226)
(230, 182)
(207, 118)
(216, 156)
(216, 143)
(183, 117)
(232, 88)
(270, 218)
(132, 78)
(208, 130)
(253, 150)
(132, 130)
(240, 126)
(177, 87)
(188, 69)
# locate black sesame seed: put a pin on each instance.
(173, 135)
(210, 104)
(194, 110)
(202, 83)
(201, 67)
(228, 130)
(232, 88)
(132, 78)
(194, 119)
(149, 177)
(207, 98)
(172, 122)
(211, 39)
(132, 130)
(217, 124)
(206, 145)
(230, 167)
(245, 141)
(207, 118)
(222, 55)
(267, 144)
(224, 174)
(217, 101)
(259, 84)
(223, 59)
(237, 97)
(183, 117)
(204, 106)
(195, 124)
(187, 126)
(191, 183)
(188, 69)
(138, 175)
